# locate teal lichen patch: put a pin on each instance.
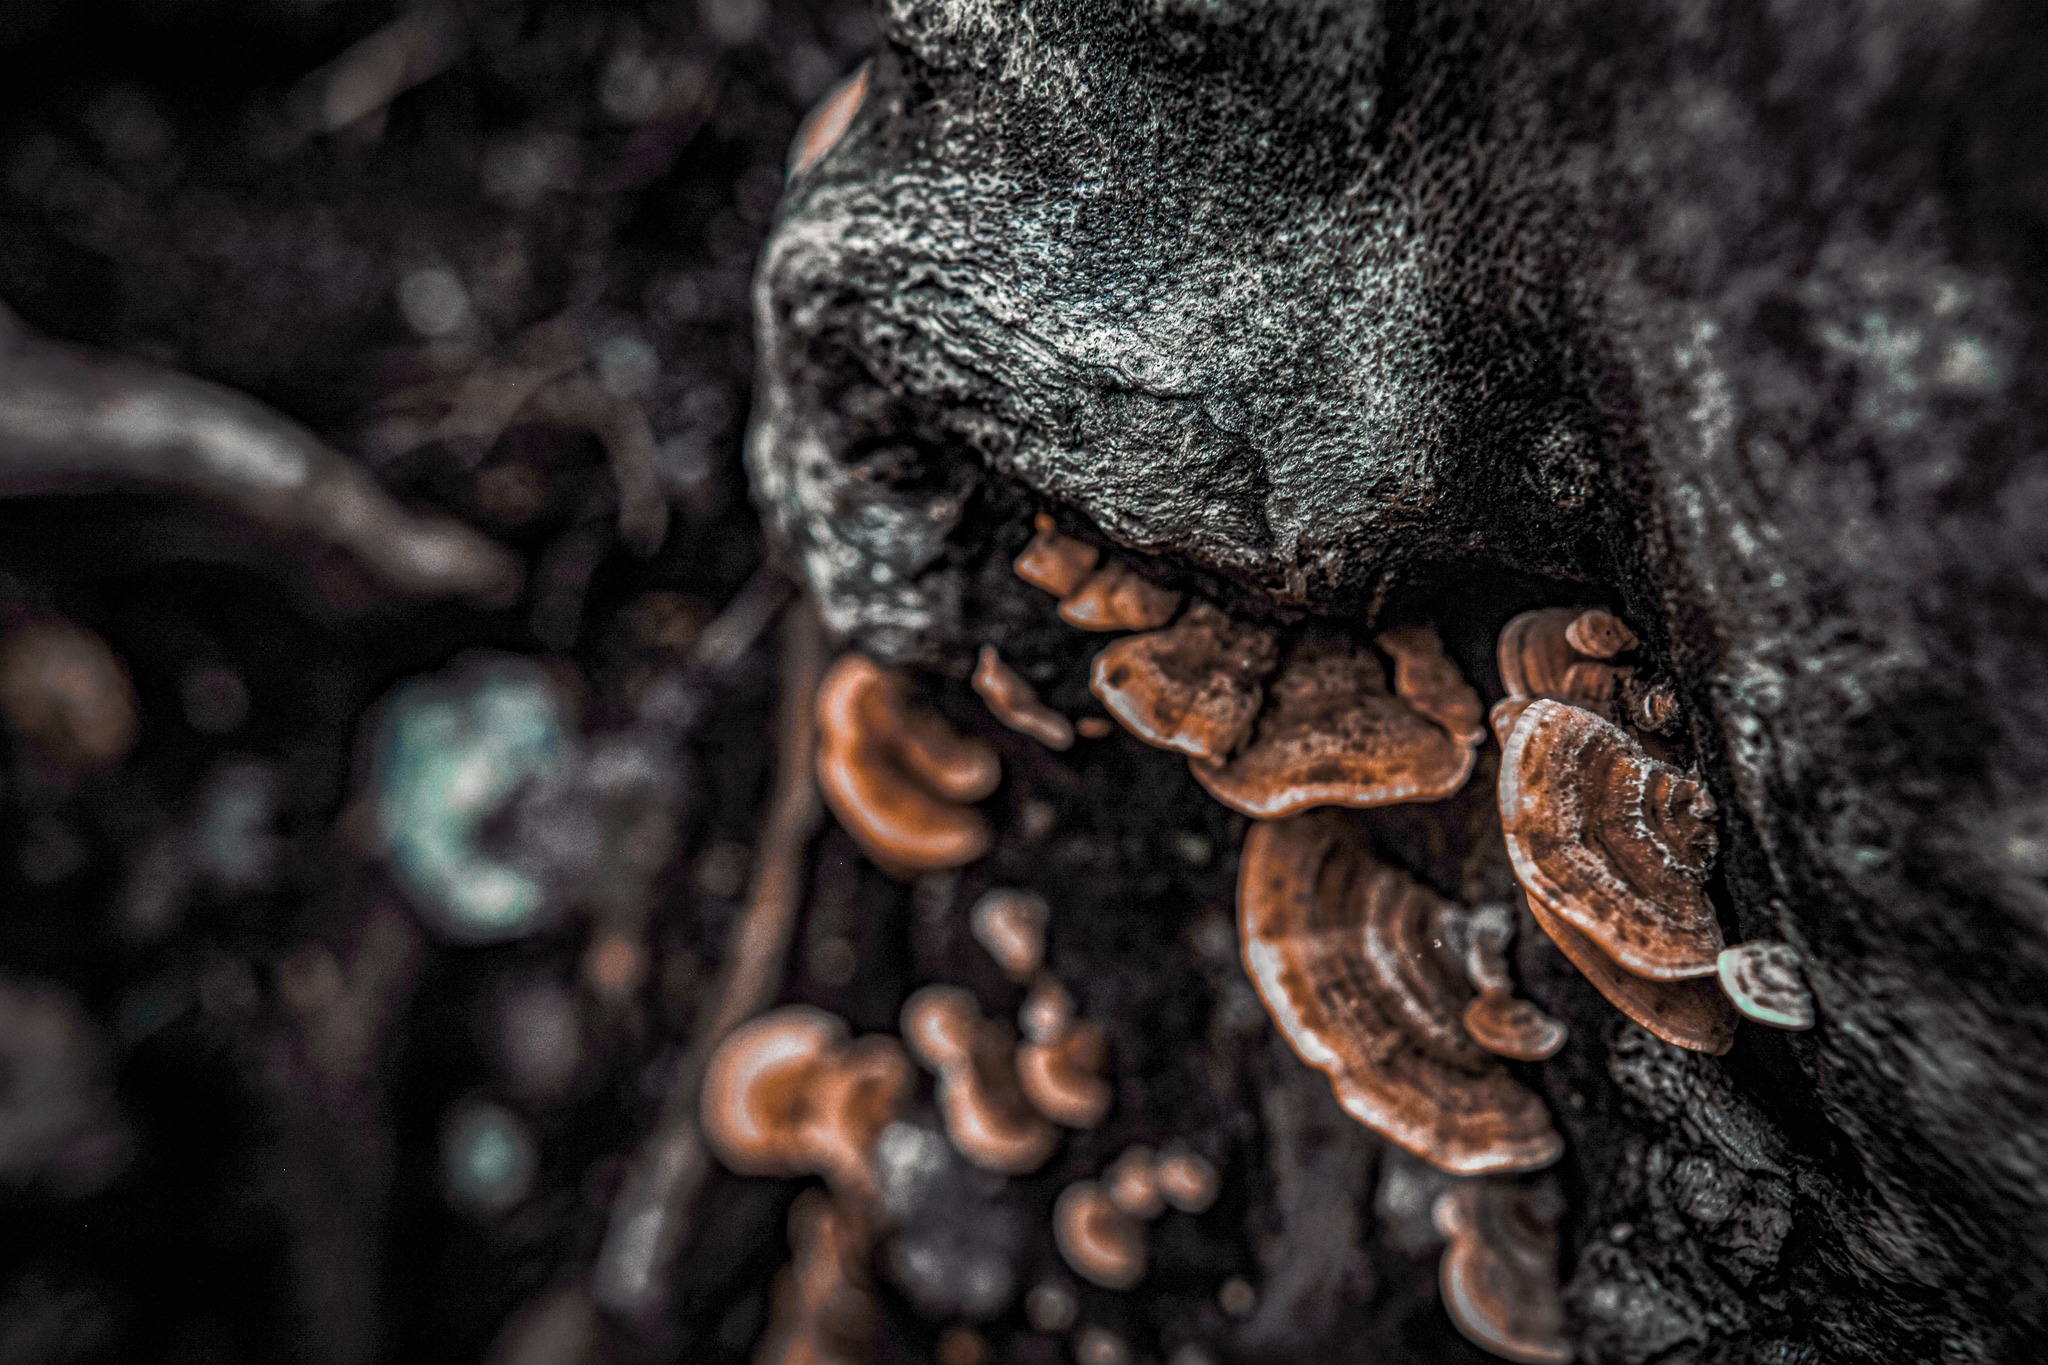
(452, 751)
(1763, 979)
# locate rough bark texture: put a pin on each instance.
(1721, 312)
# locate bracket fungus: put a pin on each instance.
(66, 696)
(1187, 1180)
(791, 1093)
(1012, 700)
(899, 778)
(1689, 1014)
(827, 122)
(1061, 1059)
(1115, 597)
(987, 1117)
(1427, 680)
(1497, 1019)
(1104, 1245)
(1499, 1272)
(824, 1312)
(1762, 980)
(1055, 563)
(1562, 653)
(1612, 840)
(1193, 688)
(1342, 948)
(1133, 1183)
(1332, 734)
(1010, 925)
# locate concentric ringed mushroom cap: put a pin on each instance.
(1307, 892)
(1689, 1014)
(1761, 978)
(1193, 688)
(1611, 840)
(1499, 1272)
(1540, 655)
(1333, 735)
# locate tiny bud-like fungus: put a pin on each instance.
(1343, 951)
(1055, 563)
(1763, 981)
(1333, 735)
(1010, 924)
(1538, 659)
(66, 695)
(1194, 687)
(1062, 1077)
(899, 778)
(790, 1093)
(986, 1115)
(1013, 701)
(827, 122)
(1611, 840)
(1498, 1275)
(1187, 1180)
(1104, 1245)
(1046, 1011)
(1132, 1181)
(1115, 597)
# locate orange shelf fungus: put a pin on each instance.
(1427, 680)
(1499, 1272)
(1010, 925)
(66, 695)
(1015, 703)
(1498, 1021)
(1116, 598)
(1333, 735)
(1055, 563)
(823, 1310)
(1194, 687)
(1104, 1245)
(1132, 1181)
(1187, 1180)
(898, 777)
(1342, 949)
(790, 1093)
(1690, 1014)
(985, 1114)
(1611, 840)
(1061, 1060)
(1540, 656)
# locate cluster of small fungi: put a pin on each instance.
(1402, 998)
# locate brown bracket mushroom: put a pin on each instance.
(898, 777)
(1013, 701)
(1688, 1014)
(1333, 735)
(1116, 598)
(1194, 687)
(1010, 925)
(1427, 680)
(1055, 563)
(1497, 1019)
(1187, 1180)
(789, 1093)
(1342, 949)
(1561, 653)
(1104, 1245)
(1762, 980)
(1061, 1060)
(1611, 840)
(1499, 1272)
(986, 1115)
(824, 1312)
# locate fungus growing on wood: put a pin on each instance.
(986, 1115)
(1062, 1076)
(1104, 1245)
(1194, 687)
(824, 1312)
(1541, 655)
(1497, 1019)
(1010, 924)
(1762, 979)
(1690, 1014)
(66, 695)
(790, 1093)
(1187, 1180)
(1055, 563)
(1116, 598)
(898, 777)
(1333, 735)
(1611, 840)
(1427, 680)
(1498, 1275)
(1132, 1181)
(827, 122)
(1341, 948)
(1013, 701)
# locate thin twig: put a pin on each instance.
(649, 1217)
